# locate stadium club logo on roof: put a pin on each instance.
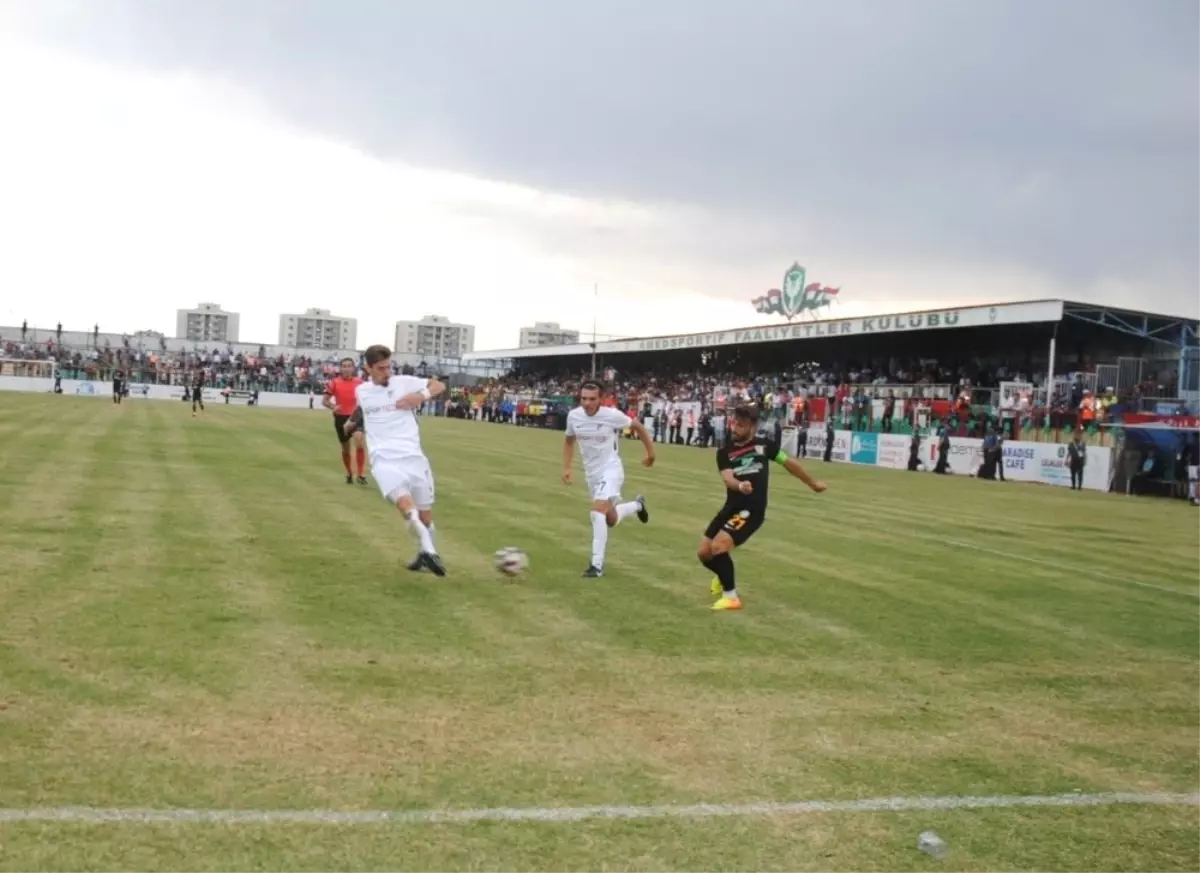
(796, 297)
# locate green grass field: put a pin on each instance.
(200, 614)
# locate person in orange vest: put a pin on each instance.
(1087, 410)
(800, 411)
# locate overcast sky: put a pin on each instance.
(490, 160)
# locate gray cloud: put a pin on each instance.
(1061, 137)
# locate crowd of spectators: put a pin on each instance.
(221, 367)
(924, 378)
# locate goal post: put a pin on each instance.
(27, 369)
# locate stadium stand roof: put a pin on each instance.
(1166, 329)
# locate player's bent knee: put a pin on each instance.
(721, 544)
(704, 550)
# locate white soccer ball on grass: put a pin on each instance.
(511, 561)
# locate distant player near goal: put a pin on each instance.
(597, 429)
(341, 398)
(198, 392)
(386, 414)
(744, 466)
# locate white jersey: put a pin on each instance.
(597, 436)
(392, 434)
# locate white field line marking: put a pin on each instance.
(1071, 569)
(581, 813)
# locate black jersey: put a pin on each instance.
(750, 462)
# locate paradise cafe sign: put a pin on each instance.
(796, 331)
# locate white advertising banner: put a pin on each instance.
(1045, 463)
(893, 451)
(841, 444)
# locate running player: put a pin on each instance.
(118, 386)
(598, 429)
(198, 392)
(745, 468)
(340, 397)
(385, 412)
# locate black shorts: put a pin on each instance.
(740, 524)
(339, 422)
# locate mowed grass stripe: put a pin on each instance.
(585, 813)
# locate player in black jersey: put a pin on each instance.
(198, 392)
(745, 466)
(118, 386)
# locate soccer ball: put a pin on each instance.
(511, 561)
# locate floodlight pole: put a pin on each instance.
(1186, 364)
(1050, 371)
(595, 298)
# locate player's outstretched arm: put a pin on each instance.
(414, 399)
(639, 430)
(793, 466)
(568, 458)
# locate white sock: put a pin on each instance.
(731, 594)
(624, 510)
(432, 535)
(599, 539)
(421, 533)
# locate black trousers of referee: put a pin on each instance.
(1077, 477)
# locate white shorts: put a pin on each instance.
(607, 485)
(411, 477)
(1193, 473)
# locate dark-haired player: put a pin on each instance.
(597, 430)
(198, 392)
(341, 398)
(386, 414)
(745, 466)
(118, 386)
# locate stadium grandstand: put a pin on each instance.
(997, 354)
(1034, 370)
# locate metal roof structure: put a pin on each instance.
(1178, 332)
(1177, 335)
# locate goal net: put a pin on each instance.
(21, 367)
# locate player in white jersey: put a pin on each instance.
(597, 430)
(386, 412)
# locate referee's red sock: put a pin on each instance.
(360, 458)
